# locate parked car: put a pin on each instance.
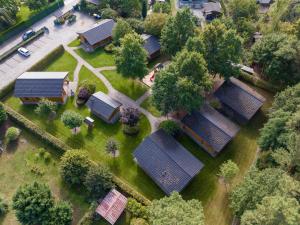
(28, 34)
(96, 16)
(72, 19)
(23, 51)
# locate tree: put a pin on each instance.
(3, 115)
(45, 107)
(61, 214)
(228, 170)
(223, 47)
(274, 210)
(36, 4)
(120, 30)
(177, 31)
(108, 13)
(131, 57)
(130, 116)
(171, 210)
(12, 134)
(195, 44)
(8, 13)
(112, 147)
(154, 23)
(136, 24)
(32, 203)
(74, 167)
(243, 9)
(98, 181)
(161, 7)
(171, 127)
(3, 207)
(72, 119)
(130, 8)
(144, 8)
(277, 54)
(259, 184)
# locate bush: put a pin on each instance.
(72, 119)
(109, 13)
(12, 134)
(138, 221)
(74, 167)
(3, 115)
(45, 107)
(3, 207)
(131, 130)
(170, 127)
(110, 48)
(136, 208)
(90, 86)
(136, 24)
(98, 181)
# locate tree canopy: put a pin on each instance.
(154, 23)
(36, 4)
(8, 13)
(228, 170)
(3, 115)
(71, 119)
(170, 210)
(120, 30)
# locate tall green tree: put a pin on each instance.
(131, 57)
(61, 214)
(36, 4)
(8, 13)
(154, 23)
(223, 47)
(144, 8)
(72, 119)
(243, 9)
(120, 30)
(278, 56)
(177, 31)
(33, 203)
(173, 210)
(274, 210)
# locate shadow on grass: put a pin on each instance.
(76, 141)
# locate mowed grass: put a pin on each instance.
(206, 186)
(98, 58)
(15, 170)
(86, 74)
(65, 62)
(75, 43)
(148, 105)
(130, 87)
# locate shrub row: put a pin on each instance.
(6, 90)
(259, 82)
(21, 44)
(33, 128)
(44, 62)
(18, 28)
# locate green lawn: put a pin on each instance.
(86, 74)
(148, 105)
(15, 170)
(132, 88)
(65, 62)
(98, 58)
(75, 43)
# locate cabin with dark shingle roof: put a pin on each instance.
(211, 10)
(239, 101)
(151, 45)
(167, 162)
(210, 129)
(31, 87)
(99, 35)
(104, 107)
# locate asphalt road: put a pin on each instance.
(15, 65)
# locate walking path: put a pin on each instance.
(112, 92)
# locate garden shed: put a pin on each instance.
(151, 45)
(210, 129)
(104, 107)
(239, 101)
(167, 162)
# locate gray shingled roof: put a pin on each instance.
(264, 1)
(99, 32)
(167, 162)
(240, 97)
(102, 104)
(40, 84)
(211, 126)
(151, 43)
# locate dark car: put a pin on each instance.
(28, 34)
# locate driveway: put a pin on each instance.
(15, 65)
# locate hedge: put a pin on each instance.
(18, 28)
(21, 44)
(6, 90)
(259, 82)
(44, 62)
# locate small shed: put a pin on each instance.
(210, 129)
(212, 10)
(98, 35)
(104, 107)
(151, 45)
(239, 101)
(167, 162)
(112, 206)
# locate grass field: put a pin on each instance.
(86, 74)
(66, 62)
(148, 105)
(98, 58)
(132, 88)
(75, 43)
(15, 166)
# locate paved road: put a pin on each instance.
(11, 68)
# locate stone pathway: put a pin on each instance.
(125, 100)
